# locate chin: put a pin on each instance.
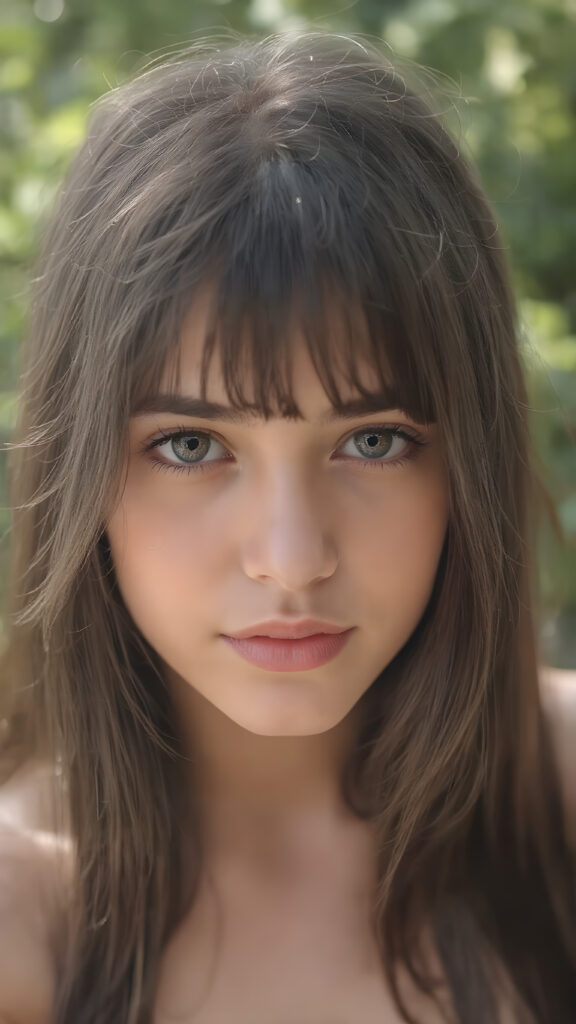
(277, 723)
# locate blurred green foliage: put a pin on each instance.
(508, 75)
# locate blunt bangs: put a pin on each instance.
(322, 200)
(307, 253)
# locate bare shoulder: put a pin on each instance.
(26, 972)
(558, 691)
(32, 870)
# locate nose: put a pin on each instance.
(289, 539)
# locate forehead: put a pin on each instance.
(290, 356)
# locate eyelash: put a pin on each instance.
(416, 444)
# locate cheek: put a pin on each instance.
(398, 547)
(165, 555)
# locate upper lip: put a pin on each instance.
(286, 629)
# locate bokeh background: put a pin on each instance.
(508, 72)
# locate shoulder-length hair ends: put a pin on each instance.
(301, 183)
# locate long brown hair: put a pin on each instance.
(305, 179)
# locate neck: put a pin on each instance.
(262, 792)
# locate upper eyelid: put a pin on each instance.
(182, 430)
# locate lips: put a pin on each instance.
(286, 629)
(289, 655)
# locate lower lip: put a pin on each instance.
(289, 655)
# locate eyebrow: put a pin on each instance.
(186, 405)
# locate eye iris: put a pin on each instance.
(373, 443)
(195, 444)
(191, 444)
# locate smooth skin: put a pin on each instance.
(287, 520)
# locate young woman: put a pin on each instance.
(270, 635)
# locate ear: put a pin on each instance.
(558, 690)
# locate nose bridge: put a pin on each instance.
(290, 537)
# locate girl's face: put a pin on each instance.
(234, 523)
